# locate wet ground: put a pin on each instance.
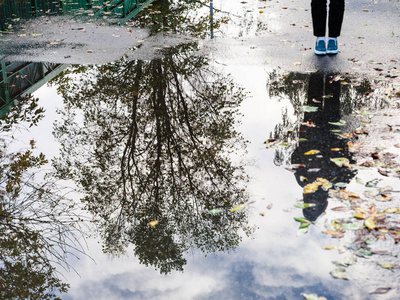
(242, 167)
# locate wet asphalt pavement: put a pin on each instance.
(277, 34)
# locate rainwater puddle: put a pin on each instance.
(188, 176)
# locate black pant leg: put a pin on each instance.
(318, 13)
(336, 12)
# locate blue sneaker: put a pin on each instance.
(332, 47)
(320, 48)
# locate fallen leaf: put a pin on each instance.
(341, 162)
(311, 152)
(340, 273)
(238, 208)
(214, 211)
(311, 188)
(328, 247)
(153, 223)
(369, 223)
(307, 108)
(302, 220)
(304, 205)
(392, 210)
(341, 208)
(381, 290)
(340, 123)
(302, 231)
(386, 265)
(384, 197)
(312, 297)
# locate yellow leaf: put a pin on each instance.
(392, 210)
(359, 216)
(369, 223)
(311, 152)
(341, 161)
(329, 247)
(297, 63)
(153, 223)
(311, 187)
(237, 208)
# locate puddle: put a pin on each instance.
(194, 173)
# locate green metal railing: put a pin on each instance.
(22, 78)
(122, 9)
(13, 10)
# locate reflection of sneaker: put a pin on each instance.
(332, 46)
(320, 48)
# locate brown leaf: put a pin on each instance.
(383, 173)
(375, 155)
(341, 208)
(384, 197)
(381, 290)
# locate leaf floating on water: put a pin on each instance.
(386, 265)
(328, 247)
(304, 205)
(311, 152)
(392, 210)
(311, 188)
(302, 231)
(369, 223)
(304, 225)
(312, 297)
(352, 226)
(341, 208)
(384, 197)
(307, 108)
(340, 123)
(340, 273)
(238, 208)
(153, 223)
(302, 220)
(341, 162)
(214, 211)
(381, 290)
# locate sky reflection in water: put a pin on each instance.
(273, 263)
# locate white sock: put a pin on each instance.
(320, 38)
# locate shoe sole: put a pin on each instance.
(332, 52)
(320, 52)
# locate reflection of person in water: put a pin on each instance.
(316, 134)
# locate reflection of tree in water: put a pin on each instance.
(37, 222)
(316, 134)
(179, 16)
(154, 144)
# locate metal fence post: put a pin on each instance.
(212, 18)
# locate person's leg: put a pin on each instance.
(318, 13)
(336, 12)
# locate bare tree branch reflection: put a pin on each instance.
(154, 142)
